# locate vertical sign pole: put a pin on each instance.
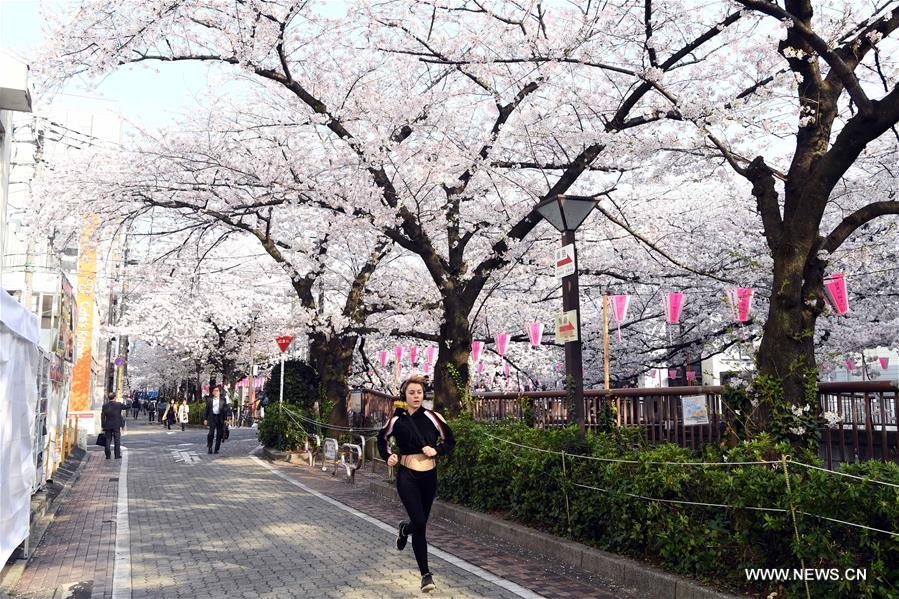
(573, 355)
(281, 401)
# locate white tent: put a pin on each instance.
(19, 337)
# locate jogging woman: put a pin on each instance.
(421, 435)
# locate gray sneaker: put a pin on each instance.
(427, 583)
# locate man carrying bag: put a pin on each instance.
(111, 422)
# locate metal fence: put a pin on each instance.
(865, 429)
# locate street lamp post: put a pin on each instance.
(566, 213)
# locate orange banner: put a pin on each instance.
(80, 397)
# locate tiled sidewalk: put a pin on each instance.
(78, 546)
(512, 563)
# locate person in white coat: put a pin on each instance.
(183, 413)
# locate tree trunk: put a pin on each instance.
(787, 350)
(333, 359)
(451, 375)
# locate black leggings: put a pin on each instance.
(417, 490)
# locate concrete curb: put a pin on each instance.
(291, 457)
(647, 580)
(12, 573)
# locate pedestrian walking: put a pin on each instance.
(168, 416)
(216, 414)
(111, 422)
(135, 408)
(151, 410)
(421, 436)
(183, 413)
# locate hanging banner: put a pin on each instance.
(673, 301)
(535, 333)
(835, 286)
(477, 347)
(740, 300)
(564, 261)
(694, 410)
(431, 353)
(566, 327)
(502, 343)
(620, 304)
(413, 352)
(79, 396)
(382, 358)
(398, 352)
(884, 363)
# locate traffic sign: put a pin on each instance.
(564, 261)
(284, 342)
(120, 361)
(566, 327)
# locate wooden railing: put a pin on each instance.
(866, 428)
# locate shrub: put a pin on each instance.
(709, 543)
(302, 386)
(279, 431)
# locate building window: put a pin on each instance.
(47, 311)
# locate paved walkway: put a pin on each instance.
(229, 525)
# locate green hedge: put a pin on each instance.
(708, 543)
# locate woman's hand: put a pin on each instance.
(429, 451)
(393, 460)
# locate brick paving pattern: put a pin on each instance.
(228, 527)
(78, 546)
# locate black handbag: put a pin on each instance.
(101, 439)
(227, 433)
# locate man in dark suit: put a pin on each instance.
(111, 422)
(216, 414)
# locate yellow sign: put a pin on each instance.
(80, 397)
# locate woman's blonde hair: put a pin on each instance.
(415, 379)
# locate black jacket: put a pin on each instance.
(111, 416)
(224, 408)
(430, 425)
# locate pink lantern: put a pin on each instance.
(740, 299)
(835, 286)
(427, 367)
(382, 358)
(672, 373)
(502, 343)
(430, 353)
(850, 365)
(653, 373)
(535, 333)
(620, 304)
(506, 369)
(490, 380)
(413, 352)
(673, 301)
(691, 376)
(398, 352)
(884, 363)
(480, 367)
(477, 347)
